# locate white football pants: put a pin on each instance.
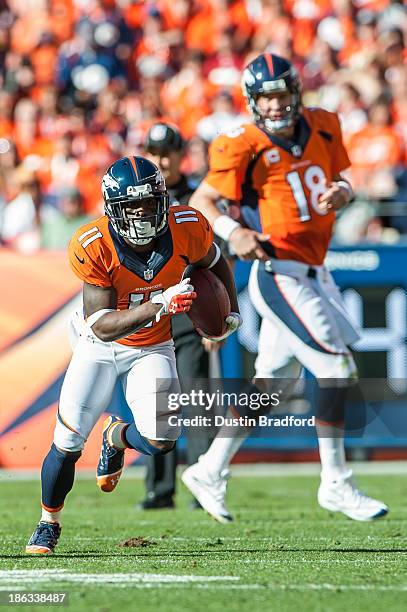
(304, 322)
(147, 375)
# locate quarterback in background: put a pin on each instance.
(131, 261)
(282, 176)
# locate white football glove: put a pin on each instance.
(233, 322)
(175, 299)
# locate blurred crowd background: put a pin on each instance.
(83, 80)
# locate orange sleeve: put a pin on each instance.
(199, 238)
(87, 264)
(228, 160)
(339, 158)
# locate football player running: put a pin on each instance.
(282, 177)
(131, 261)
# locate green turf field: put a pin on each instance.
(281, 553)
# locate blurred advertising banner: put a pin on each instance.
(39, 294)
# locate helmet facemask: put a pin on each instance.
(139, 229)
(286, 83)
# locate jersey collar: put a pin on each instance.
(148, 264)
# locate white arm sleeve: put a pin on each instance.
(93, 318)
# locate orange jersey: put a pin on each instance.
(99, 256)
(278, 184)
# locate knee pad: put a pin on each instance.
(340, 367)
(66, 438)
(70, 444)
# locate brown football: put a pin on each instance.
(211, 306)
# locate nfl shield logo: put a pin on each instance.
(296, 150)
(148, 274)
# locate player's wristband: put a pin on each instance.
(223, 226)
(345, 185)
(234, 321)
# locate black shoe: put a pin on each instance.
(156, 503)
(44, 539)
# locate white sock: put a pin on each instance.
(222, 450)
(332, 455)
(51, 517)
(114, 435)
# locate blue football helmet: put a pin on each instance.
(268, 74)
(136, 199)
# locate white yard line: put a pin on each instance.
(339, 587)
(12, 579)
(61, 575)
(244, 470)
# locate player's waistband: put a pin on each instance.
(290, 266)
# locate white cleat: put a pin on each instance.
(343, 496)
(209, 491)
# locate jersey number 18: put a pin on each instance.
(315, 181)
